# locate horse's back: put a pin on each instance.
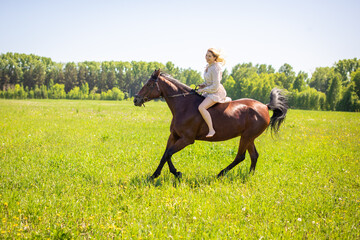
(244, 110)
(243, 104)
(256, 108)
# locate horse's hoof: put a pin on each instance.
(152, 177)
(178, 175)
(221, 174)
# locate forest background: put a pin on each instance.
(28, 76)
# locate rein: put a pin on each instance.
(156, 84)
(192, 92)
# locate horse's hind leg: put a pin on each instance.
(238, 159)
(253, 155)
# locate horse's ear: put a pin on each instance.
(156, 74)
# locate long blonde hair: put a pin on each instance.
(217, 54)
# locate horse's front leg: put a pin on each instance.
(174, 145)
(166, 158)
(161, 165)
(171, 141)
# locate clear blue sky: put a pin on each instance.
(305, 34)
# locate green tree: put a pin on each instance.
(92, 74)
(300, 81)
(38, 74)
(84, 89)
(192, 77)
(242, 74)
(171, 69)
(350, 101)
(74, 93)
(120, 71)
(355, 78)
(82, 73)
(44, 92)
(225, 75)
(19, 92)
(290, 76)
(281, 80)
(70, 74)
(111, 78)
(334, 92)
(320, 79)
(57, 91)
(345, 68)
(4, 74)
(263, 68)
(267, 83)
(229, 86)
(28, 78)
(117, 94)
(101, 84)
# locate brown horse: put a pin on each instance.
(247, 118)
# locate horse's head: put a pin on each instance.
(149, 91)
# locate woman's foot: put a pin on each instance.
(211, 133)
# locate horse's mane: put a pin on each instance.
(176, 82)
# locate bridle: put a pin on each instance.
(149, 91)
(156, 84)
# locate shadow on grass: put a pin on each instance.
(237, 175)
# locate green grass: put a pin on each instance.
(79, 169)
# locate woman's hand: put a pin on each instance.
(200, 88)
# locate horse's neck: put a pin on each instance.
(171, 87)
(170, 91)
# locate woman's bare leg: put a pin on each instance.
(208, 102)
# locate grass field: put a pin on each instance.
(78, 170)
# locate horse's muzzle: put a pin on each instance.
(138, 101)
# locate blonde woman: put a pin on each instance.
(213, 91)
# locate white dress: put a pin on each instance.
(214, 89)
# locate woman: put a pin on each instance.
(212, 89)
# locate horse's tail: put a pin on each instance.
(278, 104)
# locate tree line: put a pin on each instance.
(40, 77)
(329, 88)
(30, 76)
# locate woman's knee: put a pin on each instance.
(201, 108)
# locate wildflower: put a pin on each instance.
(299, 219)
